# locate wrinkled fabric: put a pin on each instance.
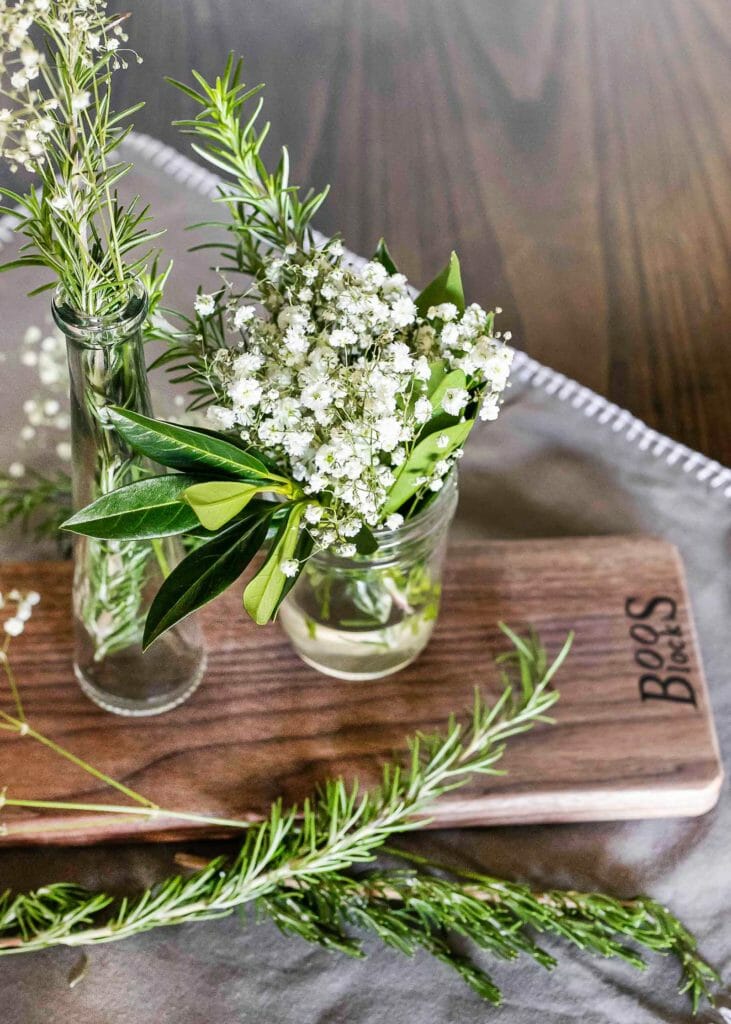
(544, 469)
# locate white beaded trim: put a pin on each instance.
(594, 406)
(620, 421)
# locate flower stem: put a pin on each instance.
(11, 680)
(145, 813)
(23, 729)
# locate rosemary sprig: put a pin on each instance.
(266, 211)
(413, 909)
(266, 217)
(74, 223)
(39, 502)
(306, 871)
(339, 827)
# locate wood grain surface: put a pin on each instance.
(577, 154)
(263, 725)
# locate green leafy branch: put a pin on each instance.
(308, 869)
(341, 826)
(39, 501)
(418, 909)
(73, 221)
(219, 491)
(266, 215)
(266, 211)
(225, 500)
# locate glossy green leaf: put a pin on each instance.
(437, 371)
(383, 256)
(206, 573)
(265, 591)
(421, 462)
(302, 552)
(185, 448)
(455, 379)
(216, 502)
(140, 511)
(365, 542)
(446, 287)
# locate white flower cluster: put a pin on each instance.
(331, 381)
(39, 101)
(21, 612)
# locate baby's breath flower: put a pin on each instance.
(61, 202)
(80, 101)
(58, 124)
(290, 567)
(332, 379)
(243, 315)
(446, 311)
(423, 410)
(313, 514)
(489, 409)
(221, 417)
(205, 305)
(455, 400)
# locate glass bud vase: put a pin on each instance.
(369, 616)
(115, 581)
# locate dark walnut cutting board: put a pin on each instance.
(633, 737)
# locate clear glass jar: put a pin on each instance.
(369, 616)
(115, 581)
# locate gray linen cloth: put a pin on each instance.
(559, 462)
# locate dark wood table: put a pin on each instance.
(577, 154)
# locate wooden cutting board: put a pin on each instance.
(634, 735)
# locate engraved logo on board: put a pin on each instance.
(660, 650)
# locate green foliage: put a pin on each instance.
(180, 502)
(339, 827)
(112, 607)
(188, 449)
(446, 287)
(384, 257)
(412, 909)
(72, 218)
(266, 211)
(147, 509)
(208, 570)
(310, 870)
(365, 542)
(265, 592)
(216, 502)
(265, 215)
(190, 347)
(421, 459)
(39, 502)
(154, 280)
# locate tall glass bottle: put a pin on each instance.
(115, 581)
